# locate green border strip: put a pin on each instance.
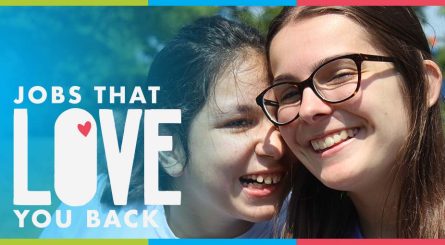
(74, 241)
(73, 3)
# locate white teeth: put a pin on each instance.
(260, 179)
(344, 135)
(333, 139)
(276, 179)
(350, 133)
(337, 137)
(315, 145)
(329, 141)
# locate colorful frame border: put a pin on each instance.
(223, 241)
(217, 2)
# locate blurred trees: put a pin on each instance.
(100, 44)
(88, 46)
(103, 44)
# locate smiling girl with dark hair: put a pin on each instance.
(228, 160)
(356, 97)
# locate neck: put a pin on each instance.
(196, 217)
(377, 210)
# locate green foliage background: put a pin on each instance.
(108, 44)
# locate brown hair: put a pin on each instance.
(187, 68)
(318, 211)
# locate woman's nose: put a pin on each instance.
(313, 108)
(270, 142)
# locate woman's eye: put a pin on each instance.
(239, 123)
(343, 76)
(290, 97)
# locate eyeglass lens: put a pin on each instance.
(333, 82)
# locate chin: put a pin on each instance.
(339, 182)
(258, 214)
(340, 176)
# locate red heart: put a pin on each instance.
(85, 128)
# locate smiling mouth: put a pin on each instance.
(260, 180)
(334, 139)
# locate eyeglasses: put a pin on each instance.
(334, 81)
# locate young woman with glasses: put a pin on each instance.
(355, 95)
(228, 159)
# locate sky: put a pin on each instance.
(437, 22)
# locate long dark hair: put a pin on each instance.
(186, 69)
(318, 211)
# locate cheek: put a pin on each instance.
(236, 154)
(223, 156)
(389, 110)
(289, 134)
(206, 173)
(395, 124)
(383, 110)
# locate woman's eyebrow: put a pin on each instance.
(289, 77)
(246, 108)
(321, 62)
(236, 108)
(284, 78)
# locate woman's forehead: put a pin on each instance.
(302, 44)
(242, 75)
(238, 86)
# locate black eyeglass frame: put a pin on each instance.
(309, 82)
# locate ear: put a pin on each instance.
(173, 162)
(434, 76)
